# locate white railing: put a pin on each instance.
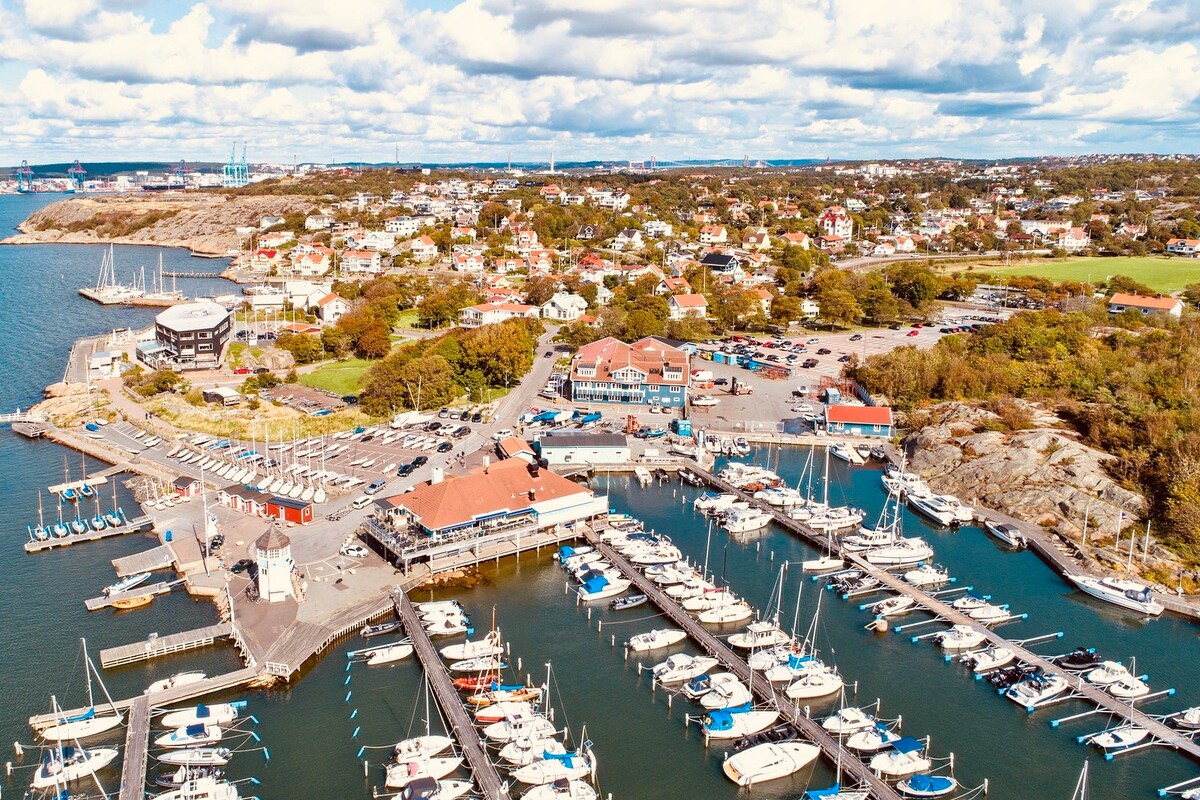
(22, 416)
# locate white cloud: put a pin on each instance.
(604, 78)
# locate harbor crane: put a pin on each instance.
(24, 176)
(76, 174)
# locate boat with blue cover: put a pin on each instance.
(906, 757)
(736, 722)
(923, 785)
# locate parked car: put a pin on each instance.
(477, 417)
(912, 333)
(445, 412)
(813, 340)
(548, 354)
(503, 433)
(433, 426)
(361, 502)
(445, 447)
(260, 370)
(375, 486)
(419, 461)
(404, 470)
(856, 337)
(842, 359)
(809, 363)
(242, 371)
(354, 551)
(895, 326)
(824, 351)
(721, 382)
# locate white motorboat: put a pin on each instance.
(490, 645)
(1009, 534)
(960, 637)
(601, 588)
(934, 508)
(989, 614)
(701, 685)
(389, 653)
(763, 633)
(837, 518)
(524, 750)
(908, 551)
(694, 586)
(197, 735)
(198, 757)
(202, 788)
(904, 483)
(681, 667)
(403, 773)
(710, 502)
(480, 664)
(655, 639)
(1187, 720)
(532, 726)
(1127, 594)
(733, 723)
(1120, 738)
(893, 606)
(216, 714)
(711, 598)
(657, 556)
(1036, 689)
(1128, 688)
(746, 520)
(439, 606)
(968, 603)
(927, 575)
(992, 658)
(779, 496)
(561, 790)
(125, 584)
(555, 767)
(1108, 672)
(823, 564)
(814, 684)
(175, 681)
(792, 666)
(924, 785)
(769, 761)
(906, 757)
(848, 720)
(447, 626)
(502, 710)
(873, 739)
(726, 693)
(419, 747)
(726, 614)
(58, 768)
(843, 452)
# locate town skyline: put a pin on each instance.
(486, 80)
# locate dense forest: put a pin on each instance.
(1129, 386)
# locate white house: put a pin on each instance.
(402, 226)
(467, 262)
(318, 222)
(1184, 247)
(658, 229)
(564, 307)
(756, 239)
(1074, 239)
(423, 248)
(378, 240)
(810, 309)
(331, 308)
(713, 234)
(835, 221)
(361, 261)
(490, 313)
(687, 305)
(628, 239)
(1121, 302)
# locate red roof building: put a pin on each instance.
(859, 420)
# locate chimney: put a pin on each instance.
(436, 475)
(487, 462)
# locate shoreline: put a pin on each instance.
(30, 238)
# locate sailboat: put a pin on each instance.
(89, 723)
(114, 517)
(97, 522)
(85, 489)
(60, 530)
(419, 747)
(68, 493)
(41, 532)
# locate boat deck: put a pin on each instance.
(104, 601)
(164, 645)
(487, 778)
(136, 525)
(730, 661)
(1122, 710)
(159, 557)
(137, 744)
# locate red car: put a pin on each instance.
(242, 371)
(912, 333)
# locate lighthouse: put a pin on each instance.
(273, 552)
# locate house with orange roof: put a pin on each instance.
(490, 313)
(713, 234)
(669, 285)
(362, 261)
(1183, 247)
(331, 308)
(648, 372)
(423, 248)
(311, 265)
(756, 239)
(1122, 302)
(799, 239)
(835, 221)
(687, 305)
(467, 262)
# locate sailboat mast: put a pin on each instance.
(87, 671)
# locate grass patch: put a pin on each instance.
(236, 351)
(340, 377)
(1159, 273)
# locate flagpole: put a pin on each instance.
(1146, 546)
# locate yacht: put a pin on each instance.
(769, 761)
(733, 723)
(403, 773)
(1107, 672)
(175, 681)
(927, 575)
(62, 766)
(989, 659)
(1128, 594)
(1009, 534)
(726, 694)
(906, 757)
(711, 502)
(524, 750)
(198, 757)
(726, 613)
(744, 520)
(421, 747)
(682, 667)
(197, 735)
(601, 588)
(655, 640)
(815, 683)
(924, 785)
(216, 713)
(1036, 689)
(960, 637)
(562, 789)
(515, 726)
(557, 767)
(1119, 738)
(763, 633)
(202, 788)
(848, 720)
(893, 606)
(935, 508)
(905, 552)
(873, 739)
(490, 645)
(906, 483)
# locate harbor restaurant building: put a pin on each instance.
(860, 420)
(450, 514)
(648, 372)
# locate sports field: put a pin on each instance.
(1159, 273)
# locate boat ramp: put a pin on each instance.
(135, 525)
(487, 777)
(1121, 710)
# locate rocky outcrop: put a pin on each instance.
(205, 223)
(1041, 473)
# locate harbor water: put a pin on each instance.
(316, 728)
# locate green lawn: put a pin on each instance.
(340, 377)
(1159, 273)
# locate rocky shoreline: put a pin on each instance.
(204, 223)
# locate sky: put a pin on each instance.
(486, 80)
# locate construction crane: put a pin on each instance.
(24, 176)
(76, 174)
(180, 172)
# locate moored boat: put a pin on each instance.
(1127, 594)
(176, 680)
(68, 764)
(770, 761)
(655, 639)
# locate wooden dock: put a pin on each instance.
(106, 600)
(136, 525)
(764, 690)
(159, 557)
(1120, 710)
(304, 640)
(137, 745)
(164, 645)
(487, 778)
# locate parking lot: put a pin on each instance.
(305, 399)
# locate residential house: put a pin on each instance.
(628, 239)
(1184, 247)
(835, 221)
(275, 239)
(490, 313)
(647, 372)
(318, 222)
(1132, 231)
(266, 258)
(423, 248)
(331, 308)
(669, 286)
(810, 309)
(463, 232)
(467, 262)
(1074, 239)
(764, 298)
(377, 240)
(564, 307)
(798, 239)
(713, 234)
(540, 261)
(883, 249)
(757, 239)
(403, 226)
(586, 233)
(311, 265)
(362, 261)
(687, 305)
(270, 221)
(724, 265)
(1121, 302)
(506, 265)
(658, 229)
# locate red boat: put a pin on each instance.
(474, 684)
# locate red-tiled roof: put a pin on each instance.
(647, 355)
(858, 415)
(1141, 301)
(689, 300)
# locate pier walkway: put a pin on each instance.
(159, 557)
(137, 745)
(487, 778)
(164, 645)
(136, 525)
(1081, 689)
(762, 689)
(106, 600)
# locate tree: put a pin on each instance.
(640, 323)
(442, 305)
(838, 307)
(729, 305)
(398, 381)
(304, 347)
(539, 290)
(374, 342)
(879, 305)
(502, 353)
(1126, 284)
(785, 310)
(335, 341)
(914, 283)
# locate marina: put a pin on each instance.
(139, 524)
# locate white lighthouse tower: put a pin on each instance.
(273, 552)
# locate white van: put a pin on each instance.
(361, 502)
